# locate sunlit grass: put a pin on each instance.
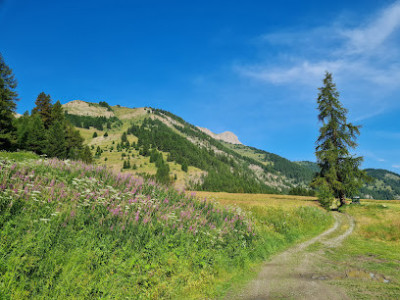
(369, 258)
(70, 230)
(270, 200)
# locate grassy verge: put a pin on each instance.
(368, 262)
(70, 230)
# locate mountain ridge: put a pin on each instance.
(147, 140)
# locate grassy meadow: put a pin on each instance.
(70, 230)
(367, 265)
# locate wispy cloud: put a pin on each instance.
(373, 156)
(396, 166)
(369, 38)
(365, 55)
(368, 115)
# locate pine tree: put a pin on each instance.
(339, 174)
(8, 97)
(73, 141)
(36, 140)
(124, 138)
(57, 113)
(22, 125)
(184, 166)
(98, 152)
(94, 135)
(56, 141)
(86, 155)
(44, 108)
(162, 174)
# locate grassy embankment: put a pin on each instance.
(70, 230)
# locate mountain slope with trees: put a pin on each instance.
(188, 157)
(158, 144)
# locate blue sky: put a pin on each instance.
(251, 67)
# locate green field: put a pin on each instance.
(70, 230)
(75, 230)
(367, 264)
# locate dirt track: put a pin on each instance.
(294, 274)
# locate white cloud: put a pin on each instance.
(375, 33)
(365, 56)
(396, 166)
(303, 72)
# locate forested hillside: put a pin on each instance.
(155, 143)
(47, 131)
(386, 185)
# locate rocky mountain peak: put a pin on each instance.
(226, 136)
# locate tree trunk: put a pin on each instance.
(342, 198)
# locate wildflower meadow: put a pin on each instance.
(69, 229)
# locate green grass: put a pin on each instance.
(372, 249)
(18, 156)
(69, 230)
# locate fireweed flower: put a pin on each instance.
(118, 199)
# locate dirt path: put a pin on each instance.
(294, 274)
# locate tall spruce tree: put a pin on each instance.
(340, 175)
(8, 98)
(44, 108)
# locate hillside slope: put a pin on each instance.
(385, 185)
(156, 143)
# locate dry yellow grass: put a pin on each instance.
(378, 220)
(251, 200)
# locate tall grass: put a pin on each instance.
(70, 230)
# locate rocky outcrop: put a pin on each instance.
(226, 136)
(82, 108)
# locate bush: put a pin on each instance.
(326, 198)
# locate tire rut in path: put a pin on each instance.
(290, 275)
